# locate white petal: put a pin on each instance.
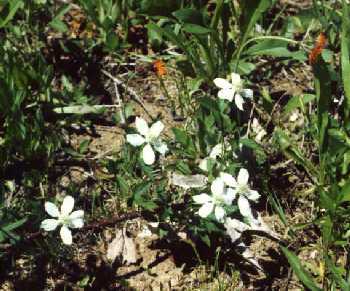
(253, 195)
(230, 195)
(141, 126)
(49, 224)
(239, 101)
(244, 207)
(76, 223)
(77, 214)
(156, 129)
(202, 198)
(217, 151)
(206, 209)
(66, 235)
(236, 80)
(243, 177)
(222, 83)
(217, 187)
(161, 148)
(52, 209)
(148, 155)
(135, 139)
(219, 213)
(226, 94)
(247, 93)
(203, 165)
(228, 179)
(67, 205)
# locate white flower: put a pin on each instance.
(65, 217)
(216, 152)
(150, 136)
(242, 189)
(234, 89)
(221, 195)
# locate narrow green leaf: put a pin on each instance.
(14, 6)
(301, 273)
(252, 10)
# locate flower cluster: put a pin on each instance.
(225, 189)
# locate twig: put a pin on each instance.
(120, 103)
(95, 225)
(129, 90)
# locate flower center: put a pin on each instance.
(64, 219)
(150, 139)
(243, 189)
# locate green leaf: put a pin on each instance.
(345, 192)
(252, 10)
(84, 145)
(5, 231)
(298, 102)
(275, 48)
(122, 185)
(244, 68)
(57, 23)
(159, 7)
(337, 274)
(186, 142)
(189, 15)
(196, 29)
(14, 6)
(301, 273)
(323, 94)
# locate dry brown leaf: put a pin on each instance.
(123, 246)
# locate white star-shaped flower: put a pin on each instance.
(242, 189)
(150, 136)
(65, 217)
(234, 89)
(221, 195)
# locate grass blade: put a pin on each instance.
(300, 271)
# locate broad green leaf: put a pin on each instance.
(196, 29)
(275, 48)
(189, 15)
(299, 270)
